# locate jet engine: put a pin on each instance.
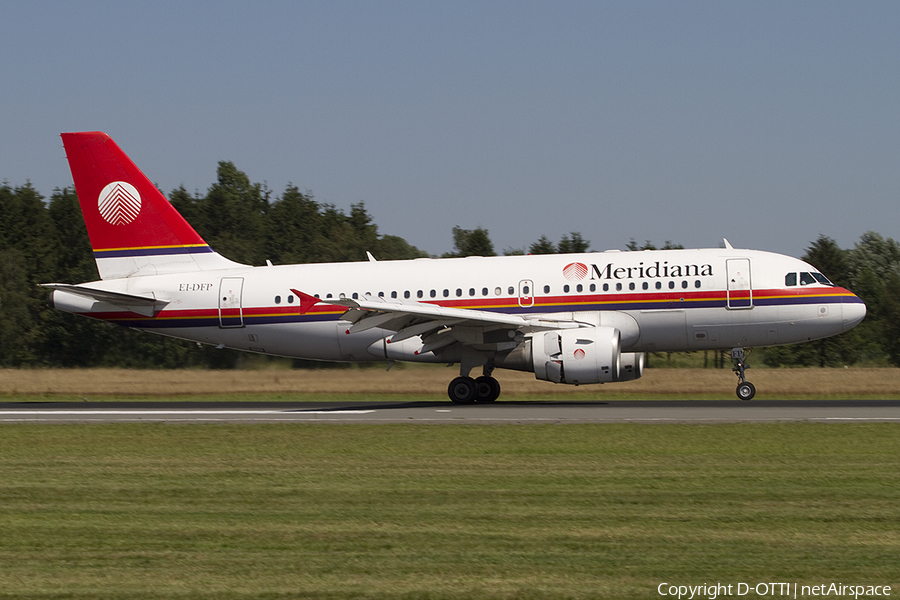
(583, 355)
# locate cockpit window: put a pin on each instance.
(806, 279)
(822, 279)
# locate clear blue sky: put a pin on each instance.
(768, 123)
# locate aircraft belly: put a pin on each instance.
(808, 322)
(355, 346)
(313, 341)
(661, 330)
(718, 328)
(762, 326)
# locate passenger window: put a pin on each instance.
(328, 296)
(277, 299)
(790, 279)
(645, 285)
(512, 290)
(631, 286)
(593, 287)
(290, 299)
(684, 285)
(618, 287)
(566, 288)
(484, 291)
(433, 293)
(697, 284)
(546, 289)
(406, 294)
(526, 290)
(497, 291)
(419, 294)
(671, 285)
(659, 285)
(579, 288)
(471, 291)
(355, 297)
(394, 295)
(807, 279)
(605, 287)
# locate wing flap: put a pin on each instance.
(439, 326)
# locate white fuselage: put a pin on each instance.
(670, 300)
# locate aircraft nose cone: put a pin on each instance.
(854, 311)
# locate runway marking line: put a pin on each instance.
(184, 412)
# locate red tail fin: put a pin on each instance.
(133, 228)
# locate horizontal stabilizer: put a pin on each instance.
(142, 305)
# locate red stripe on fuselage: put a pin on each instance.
(543, 304)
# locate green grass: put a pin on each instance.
(419, 511)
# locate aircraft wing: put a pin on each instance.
(142, 305)
(438, 326)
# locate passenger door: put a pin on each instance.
(740, 288)
(230, 311)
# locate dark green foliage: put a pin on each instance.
(569, 244)
(648, 245)
(391, 247)
(232, 216)
(542, 246)
(293, 234)
(471, 242)
(831, 261)
(574, 244)
(28, 253)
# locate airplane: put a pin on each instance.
(568, 318)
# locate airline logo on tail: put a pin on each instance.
(119, 203)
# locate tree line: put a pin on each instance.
(45, 240)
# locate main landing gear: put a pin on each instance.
(745, 390)
(465, 390)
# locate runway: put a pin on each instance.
(510, 412)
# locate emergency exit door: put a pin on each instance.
(526, 293)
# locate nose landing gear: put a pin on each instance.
(745, 390)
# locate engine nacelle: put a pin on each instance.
(583, 355)
(631, 366)
(576, 356)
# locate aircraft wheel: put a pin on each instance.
(746, 390)
(462, 390)
(487, 389)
